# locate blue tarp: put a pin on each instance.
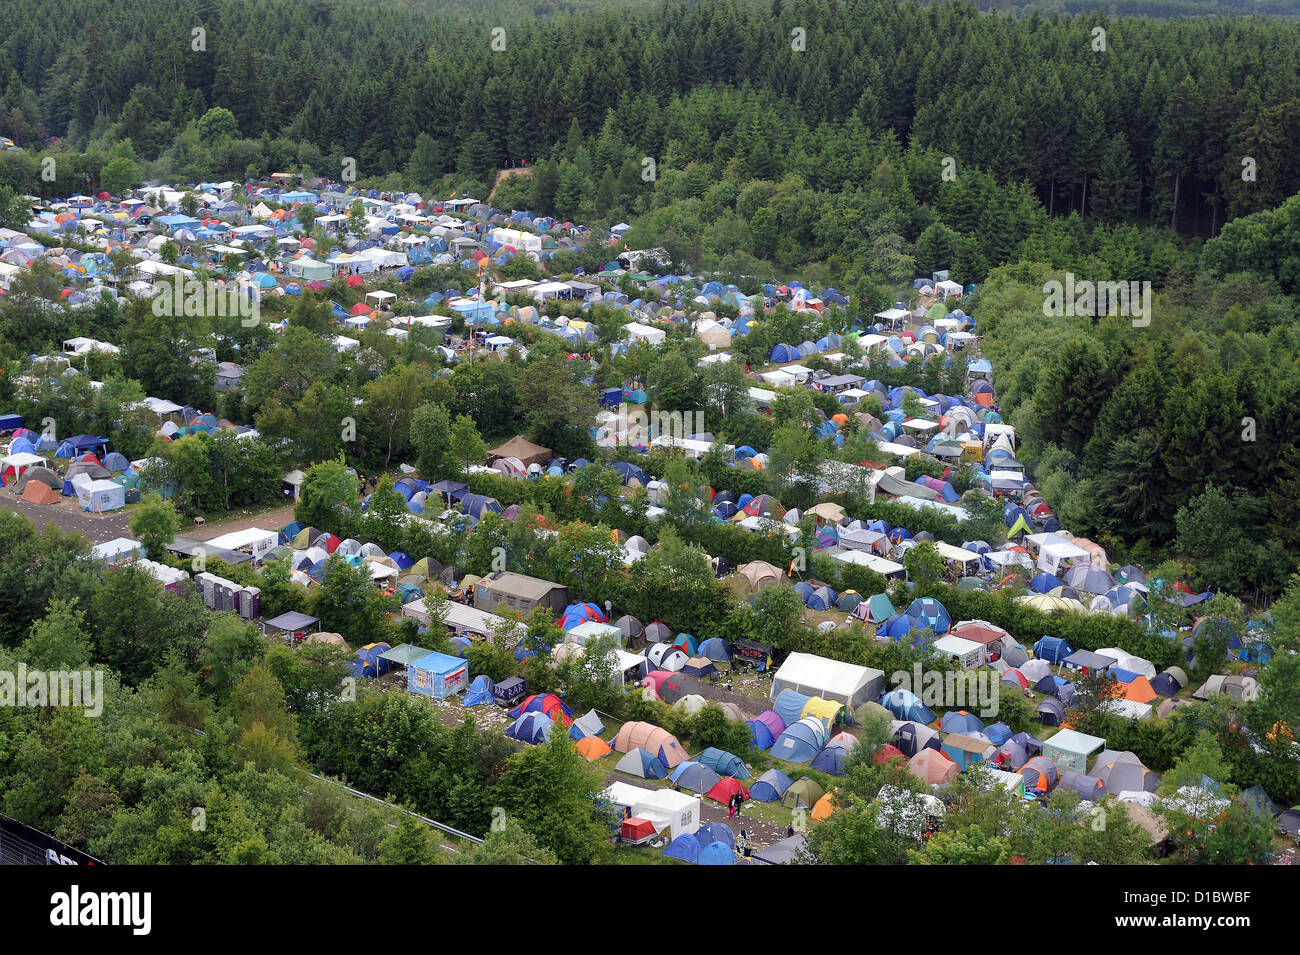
(480, 691)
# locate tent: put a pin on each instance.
(933, 767)
(687, 848)
(592, 748)
(831, 759)
(770, 787)
(1040, 775)
(586, 726)
(906, 705)
(642, 763)
(367, 662)
(1123, 771)
(694, 776)
(37, 493)
(725, 789)
(802, 794)
(724, 763)
(547, 703)
(532, 728)
(1050, 712)
(800, 742)
(912, 737)
(717, 853)
(655, 739)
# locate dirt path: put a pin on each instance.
(68, 516)
(504, 174)
(267, 520)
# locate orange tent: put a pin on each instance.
(37, 493)
(593, 748)
(1138, 690)
(824, 807)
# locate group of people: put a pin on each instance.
(734, 805)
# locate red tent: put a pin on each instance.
(361, 309)
(724, 789)
(331, 543)
(635, 828)
(885, 753)
(355, 280)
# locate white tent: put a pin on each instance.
(812, 675)
(644, 333)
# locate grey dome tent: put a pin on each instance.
(1050, 712)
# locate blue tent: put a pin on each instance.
(476, 505)
(823, 598)
(588, 724)
(531, 728)
(367, 662)
(717, 853)
(930, 613)
(642, 763)
(959, 721)
(762, 735)
(800, 742)
(630, 472)
(480, 691)
(686, 848)
(715, 649)
(998, 733)
(290, 531)
(906, 705)
(830, 760)
(1052, 649)
(1042, 583)
(724, 763)
(783, 353)
(789, 706)
(770, 787)
(716, 832)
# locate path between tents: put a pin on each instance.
(68, 516)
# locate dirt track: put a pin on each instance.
(97, 528)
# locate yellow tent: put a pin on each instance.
(827, 711)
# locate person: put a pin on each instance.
(731, 807)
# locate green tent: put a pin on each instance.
(803, 793)
(935, 312)
(879, 608)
